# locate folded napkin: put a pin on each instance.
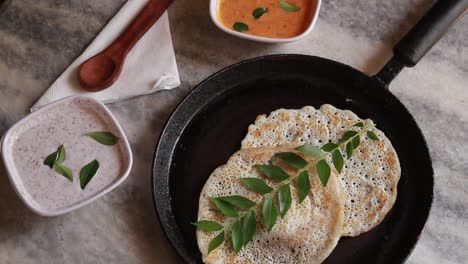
(150, 66)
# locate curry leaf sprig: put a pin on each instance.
(350, 141)
(244, 223)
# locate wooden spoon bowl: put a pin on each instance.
(99, 72)
(102, 70)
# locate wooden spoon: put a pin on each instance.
(102, 70)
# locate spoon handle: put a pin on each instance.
(129, 37)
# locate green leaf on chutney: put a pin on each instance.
(288, 7)
(104, 137)
(64, 171)
(88, 172)
(240, 27)
(258, 12)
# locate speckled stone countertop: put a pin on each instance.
(39, 39)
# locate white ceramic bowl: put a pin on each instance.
(15, 131)
(215, 19)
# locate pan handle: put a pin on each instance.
(420, 39)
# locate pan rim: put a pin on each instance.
(163, 200)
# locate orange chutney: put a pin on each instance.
(275, 23)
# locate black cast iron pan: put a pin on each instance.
(209, 124)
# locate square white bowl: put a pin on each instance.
(10, 136)
(214, 17)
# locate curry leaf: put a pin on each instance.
(323, 171)
(269, 214)
(224, 207)
(50, 160)
(258, 12)
(238, 201)
(338, 160)
(284, 199)
(64, 171)
(216, 242)
(310, 150)
(349, 149)
(273, 172)
(288, 7)
(104, 137)
(237, 232)
(88, 172)
(356, 142)
(303, 185)
(372, 135)
(249, 223)
(359, 124)
(60, 154)
(241, 27)
(208, 225)
(257, 185)
(292, 159)
(329, 147)
(348, 135)
(55, 158)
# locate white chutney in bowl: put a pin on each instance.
(28, 143)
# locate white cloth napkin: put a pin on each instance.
(150, 66)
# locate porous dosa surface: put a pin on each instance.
(370, 177)
(307, 234)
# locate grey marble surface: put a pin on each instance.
(38, 39)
